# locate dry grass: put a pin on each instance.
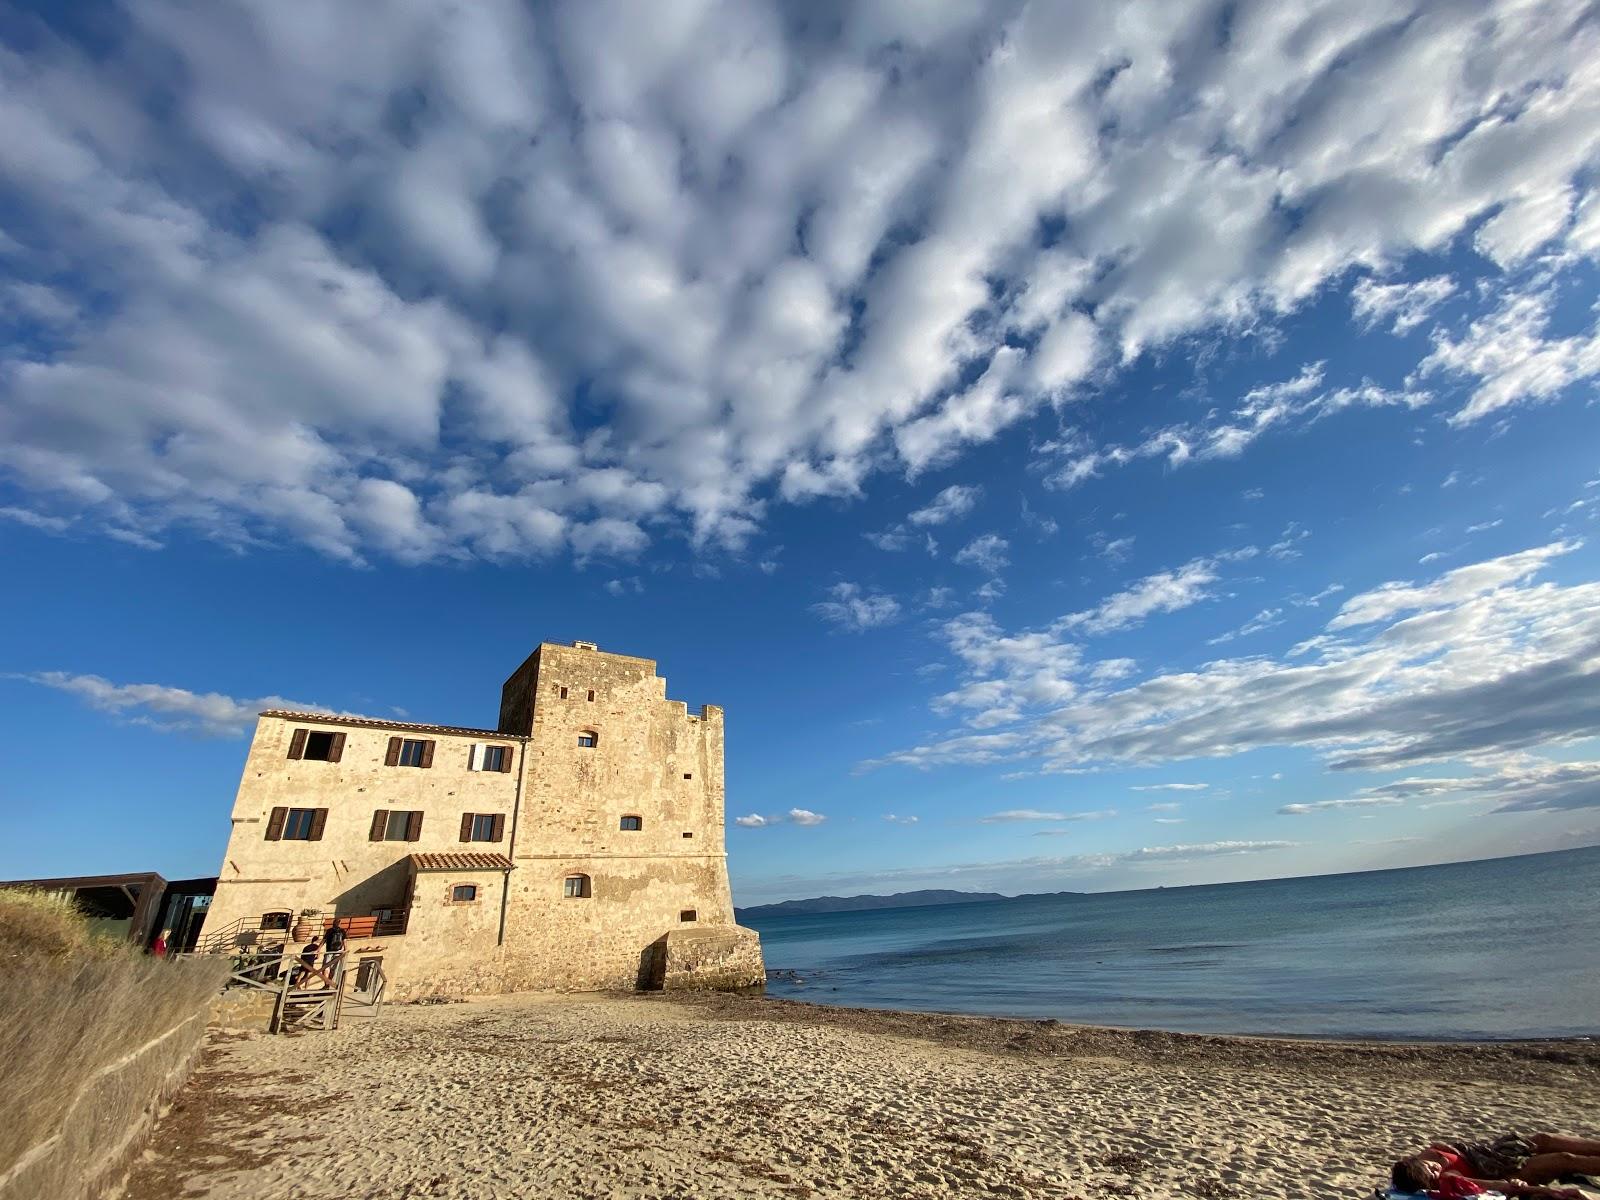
(70, 1004)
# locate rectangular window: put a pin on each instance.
(688, 775)
(491, 758)
(591, 697)
(485, 828)
(464, 893)
(633, 823)
(398, 826)
(688, 835)
(274, 920)
(688, 914)
(587, 740)
(575, 887)
(409, 752)
(316, 745)
(563, 693)
(296, 824)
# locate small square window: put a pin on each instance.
(319, 746)
(688, 914)
(588, 740)
(483, 827)
(297, 825)
(411, 752)
(633, 823)
(491, 758)
(575, 887)
(688, 775)
(464, 893)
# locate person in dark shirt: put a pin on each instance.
(332, 948)
(308, 959)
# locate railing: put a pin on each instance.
(248, 933)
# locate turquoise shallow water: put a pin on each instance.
(1508, 948)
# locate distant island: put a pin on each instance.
(922, 899)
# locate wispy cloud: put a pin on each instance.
(169, 709)
(853, 608)
(955, 501)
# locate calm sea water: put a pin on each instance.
(1508, 948)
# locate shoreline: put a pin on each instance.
(1048, 1037)
(661, 1096)
(1575, 1039)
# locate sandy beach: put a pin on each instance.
(727, 1096)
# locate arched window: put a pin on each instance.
(588, 739)
(575, 887)
(632, 824)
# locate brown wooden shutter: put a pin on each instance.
(319, 818)
(505, 759)
(427, 754)
(275, 824)
(392, 758)
(414, 827)
(498, 831)
(466, 827)
(336, 750)
(297, 743)
(380, 822)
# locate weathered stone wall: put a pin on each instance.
(652, 760)
(563, 806)
(717, 959)
(344, 871)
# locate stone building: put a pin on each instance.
(579, 845)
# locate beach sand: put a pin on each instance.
(723, 1096)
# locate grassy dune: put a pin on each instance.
(71, 1004)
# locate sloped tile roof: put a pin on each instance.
(464, 861)
(376, 723)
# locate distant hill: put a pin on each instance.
(831, 904)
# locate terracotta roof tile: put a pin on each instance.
(375, 723)
(461, 862)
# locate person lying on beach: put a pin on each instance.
(1515, 1165)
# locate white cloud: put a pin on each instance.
(169, 709)
(899, 820)
(803, 816)
(1512, 359)
(855, 609)
(643, 272)
(753, 821)
(1165, 591)
(955, 501)
(1169, 787)
(986, 553)
(1453, 587)
(1482, 661)
(1267, 618)
(1409, 304)
(1034, 814)
(1300, 402)
(1300, 810)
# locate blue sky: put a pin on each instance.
(1078, 453)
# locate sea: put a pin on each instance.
(1503, 948)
